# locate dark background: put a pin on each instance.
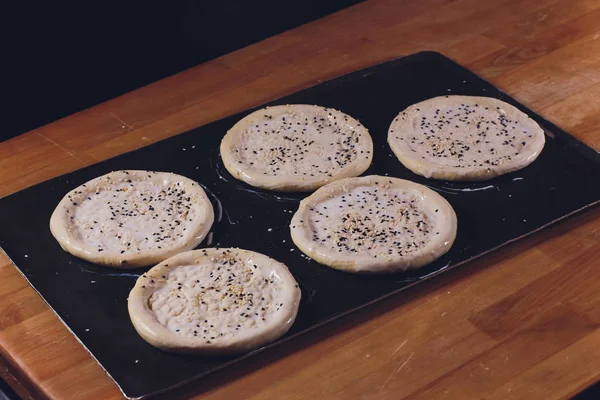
(57, 58)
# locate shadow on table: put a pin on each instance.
(6, 393)
(591, 393)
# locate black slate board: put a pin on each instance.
(92, 300)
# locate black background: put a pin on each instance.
(57, 58)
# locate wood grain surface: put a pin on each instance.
(521, 323)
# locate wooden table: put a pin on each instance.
(522, 323)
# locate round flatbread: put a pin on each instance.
(296, 147)
(214, 301)
(464, 138)
(374, 224)
(129, 219)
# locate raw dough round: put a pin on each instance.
(374, 224)
(214, 301)
(463, 138)
(129, 219)
(296, 147)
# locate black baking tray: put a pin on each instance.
(91, 300)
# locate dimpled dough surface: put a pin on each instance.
(214, 300)
(296, 147)
(374, 224)
(132, 218)
(464, 138)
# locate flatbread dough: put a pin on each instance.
(374, 224)
(214, 301)
(464, 138)
(296, 147)
(129, 219)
